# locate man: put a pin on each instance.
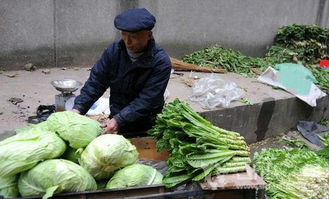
(137, 72)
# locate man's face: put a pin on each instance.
(136, 41)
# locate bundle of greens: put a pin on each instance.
(309, 42)
(233, 61)
(293, 173)
(324, 152)
(197, 148)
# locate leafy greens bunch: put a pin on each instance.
(197, 148)
(293, 173)
(233, 61)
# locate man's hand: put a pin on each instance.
(75, 111)
(111, 126)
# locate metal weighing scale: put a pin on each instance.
(66, 87)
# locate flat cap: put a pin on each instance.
(134, 20)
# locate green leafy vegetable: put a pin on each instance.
(78, 130)
(8, 187)
(55, 176)
(288, 173)
(133, 176)
(325, 139)
(324, 153)
(197, 148)
(23, 151)
(107, 153)
(233, 61)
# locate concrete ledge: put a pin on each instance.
(269, 118)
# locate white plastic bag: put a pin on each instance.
(212, 92)
(166, 94)
(272, 77)
(101, 106)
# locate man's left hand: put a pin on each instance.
(111, 126)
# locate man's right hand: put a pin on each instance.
(75, 111)
(111, 126)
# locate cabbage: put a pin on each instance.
(78, 130)
(72, 154)
(42, 125)
(23, 151)
(135, 175)
(55, 176)
(106, 154)
(8, 187)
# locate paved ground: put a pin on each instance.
(34, 89)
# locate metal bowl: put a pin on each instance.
(66, 85)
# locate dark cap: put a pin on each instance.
(134, 20)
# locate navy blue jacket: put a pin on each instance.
(136, 88)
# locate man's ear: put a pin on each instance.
(150, 34)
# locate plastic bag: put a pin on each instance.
(166, 94)
(212, 92)
(101, 106)
(295, 79)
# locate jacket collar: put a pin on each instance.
(145, 59)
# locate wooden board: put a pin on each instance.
(242, 180)
(180, 65)
(147, 149)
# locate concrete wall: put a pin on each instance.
(268, 118)
(60, 33)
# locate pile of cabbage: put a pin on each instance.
(67, 153)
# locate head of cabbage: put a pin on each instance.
(107, 153)
(8, 187)
(55, 176)
(23, 151)
(135, 175)
(77, 129)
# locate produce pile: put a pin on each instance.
(66, 154)
(228, 59)
(197, 148)
(325, 139)
(304, 44)
(293, 173)
(307, 43)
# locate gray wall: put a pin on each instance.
(61, 33)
